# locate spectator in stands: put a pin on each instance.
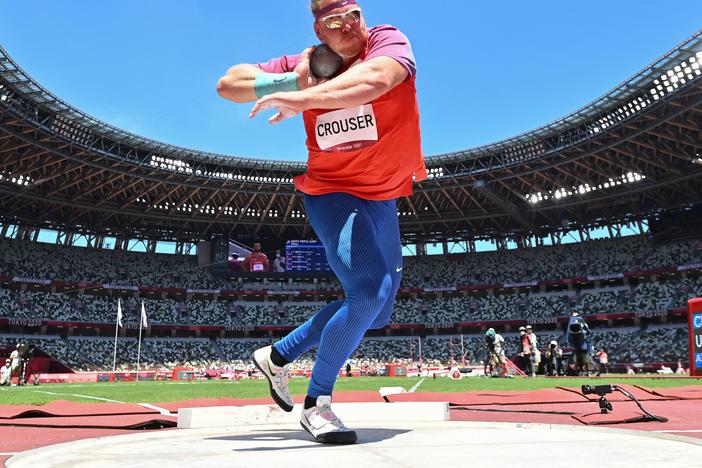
(5, 373)
(603, 360)
(279, 263)
(578, 338)
(665, 343)
(553, 355)
(257, 261)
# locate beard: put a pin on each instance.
(350, 51)
(351, 47)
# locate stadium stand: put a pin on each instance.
(664, 343)
(593, 258)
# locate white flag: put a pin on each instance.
(119, 313)
(144, 323)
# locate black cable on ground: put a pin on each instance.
(633, 398)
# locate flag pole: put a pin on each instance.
(463, 354)
(119, 318)
(420, 350)
(141, 322)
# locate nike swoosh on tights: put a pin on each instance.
(399, 269)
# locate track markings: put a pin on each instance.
(163, 411)
(416, 386)
(680, 431)
(79, 396)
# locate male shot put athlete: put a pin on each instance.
(364, 152)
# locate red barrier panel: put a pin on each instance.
(39, 365)
(183, 373)
(68, 378)
(395, 370)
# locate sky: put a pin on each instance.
(486, 70)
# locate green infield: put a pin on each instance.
(156, 392)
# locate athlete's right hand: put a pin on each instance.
(287, 104)
(305, 77)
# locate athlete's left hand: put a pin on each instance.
(288, 105)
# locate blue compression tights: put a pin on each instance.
(362, 241)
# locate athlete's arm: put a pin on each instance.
(238, 84)
(357, 86)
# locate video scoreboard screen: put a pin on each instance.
(305, 256)
(697, 341)
(695, 324)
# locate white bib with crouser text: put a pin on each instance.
(347, 129)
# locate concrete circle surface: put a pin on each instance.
(440, 444)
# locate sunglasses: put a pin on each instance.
(338, 20)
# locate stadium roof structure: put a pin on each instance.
(635, 151)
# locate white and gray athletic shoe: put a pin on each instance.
(326, 427)
(277, 377)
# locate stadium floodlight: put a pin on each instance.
(435, 172)
(560, 193)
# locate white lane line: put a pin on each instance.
(129, 384)
(416, 386)
(79, 396)
(163, 411)
(681, 431)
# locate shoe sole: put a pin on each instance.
(333, 438)
(279, 401)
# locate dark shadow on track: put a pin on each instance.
(365, 436)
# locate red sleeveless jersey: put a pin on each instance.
(371, 151)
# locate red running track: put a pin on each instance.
(27, 427)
